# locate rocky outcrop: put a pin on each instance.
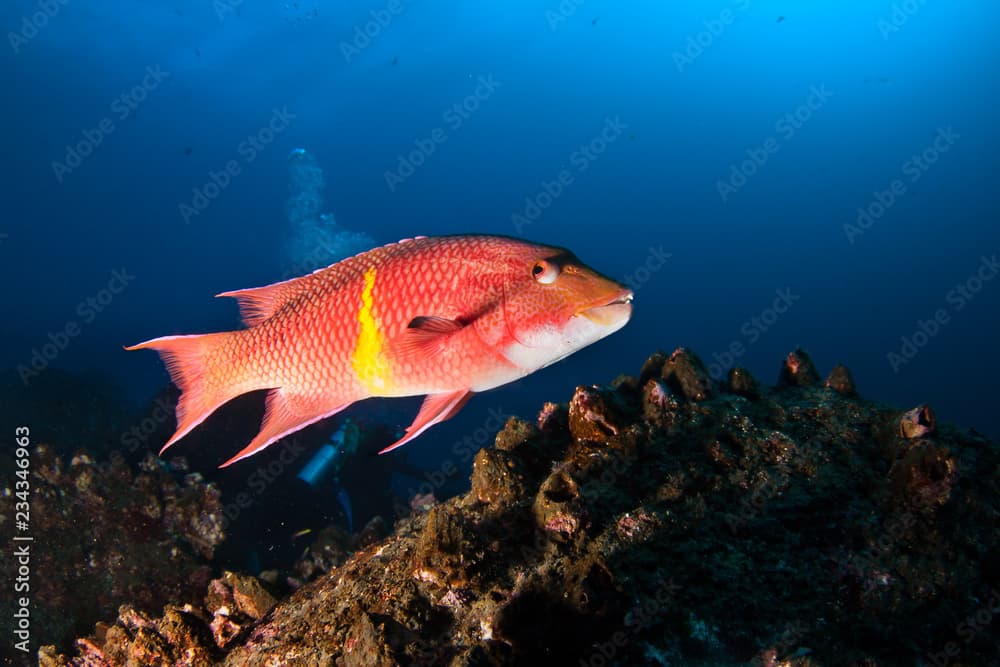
(663, 519)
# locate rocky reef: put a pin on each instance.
(663, 519)
(106, 535)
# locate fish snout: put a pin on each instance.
(611, 311)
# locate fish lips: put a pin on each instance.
(609, 312)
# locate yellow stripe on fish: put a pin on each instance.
(368, 361)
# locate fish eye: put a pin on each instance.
(545, 272)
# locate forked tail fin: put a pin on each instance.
(195, 366)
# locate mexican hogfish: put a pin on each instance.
(442, 317)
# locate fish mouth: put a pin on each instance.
(610, 311)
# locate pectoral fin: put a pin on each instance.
(435, 409)
(424, 337)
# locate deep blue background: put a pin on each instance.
(559, 82)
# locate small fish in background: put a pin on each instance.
(596, 19)
(395, 61)
(443, 317)
(188, 150)
(780, 19)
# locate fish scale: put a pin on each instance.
(442, 317)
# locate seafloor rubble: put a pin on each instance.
(663, 520)
(105, 534)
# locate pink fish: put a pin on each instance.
(442, 317)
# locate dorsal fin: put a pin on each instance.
(259, 303)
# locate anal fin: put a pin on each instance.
(285, 414)
(436, 408)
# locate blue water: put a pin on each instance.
(739, 138)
